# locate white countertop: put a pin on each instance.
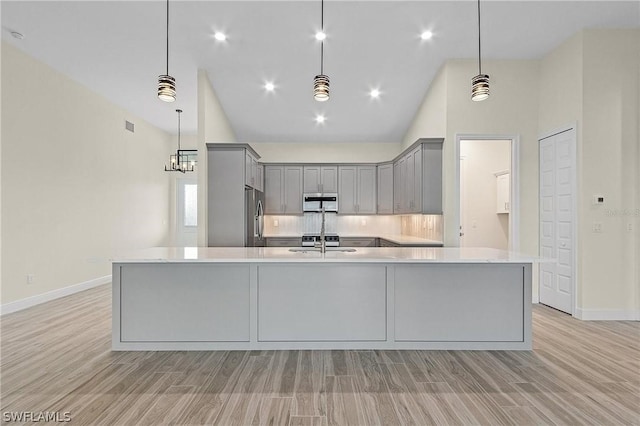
(361, 255)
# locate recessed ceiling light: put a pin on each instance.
(17, 35)
(220, 36)
(426, 35)
(320, 35)
(320, 119)
(375, 94)
(269, 86)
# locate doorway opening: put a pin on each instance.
(187, 212)
(487, 185)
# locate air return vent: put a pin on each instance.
(129, 126)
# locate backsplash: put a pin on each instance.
(342, 225)
(425, 226)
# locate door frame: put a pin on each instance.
(514, 214)
(574, 214)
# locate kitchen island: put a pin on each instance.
(222, 298)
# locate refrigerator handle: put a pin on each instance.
(259, 219)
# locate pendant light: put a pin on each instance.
(479, 83)
(184, 159)
(321, 81)
(166, 83)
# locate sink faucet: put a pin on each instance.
(323, 242)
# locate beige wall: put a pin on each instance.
(511, 110)
(609, 166)
(430, 120)
(77, 188)
(592, 80)
(213, 126)
(480, 161)
(326, 152)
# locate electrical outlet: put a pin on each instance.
(597, 227)
(630, 227)
(30, 278)
(363, 222)
(276, 223)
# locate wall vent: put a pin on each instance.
(129, 126)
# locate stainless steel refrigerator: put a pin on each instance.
(254, 219)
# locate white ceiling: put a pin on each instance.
(117, 48)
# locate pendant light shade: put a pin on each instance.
(166, 88)
(479, 83)
(321, 81)
(480, 87)
(321, 88)
(166, 83)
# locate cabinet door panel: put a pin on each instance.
(366, 202)
(399, 186)
(311, 179)
(385, 189)
(273, 189)
(348, 189)
(417, 180)
(293, 189)
(329, 178)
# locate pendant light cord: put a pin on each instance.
(168, 39)
(322, 42)
(479, 44)
(179, 130)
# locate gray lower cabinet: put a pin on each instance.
(358, 241)
(284, 242)
(184, 303)
(459, 303)
(316, 303)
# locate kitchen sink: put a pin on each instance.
(317, 250)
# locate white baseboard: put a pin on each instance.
(607, 315)
(28, 302)
(535, 298)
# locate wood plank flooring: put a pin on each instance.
(57, 357)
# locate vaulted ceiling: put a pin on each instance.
(117, 48)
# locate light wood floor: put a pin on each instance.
(57, 357)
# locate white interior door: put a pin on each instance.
(557, 221)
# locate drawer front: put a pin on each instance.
(284, 242)
(357, 242)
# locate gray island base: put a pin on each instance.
(271, 298)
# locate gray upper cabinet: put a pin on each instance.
(417, 179)
(251, 170)
(385, 188)
(320, 178)
(432, 176)
(230, 168)
(357, 189)
(283, 189)
(399, 182)
(260, 177)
